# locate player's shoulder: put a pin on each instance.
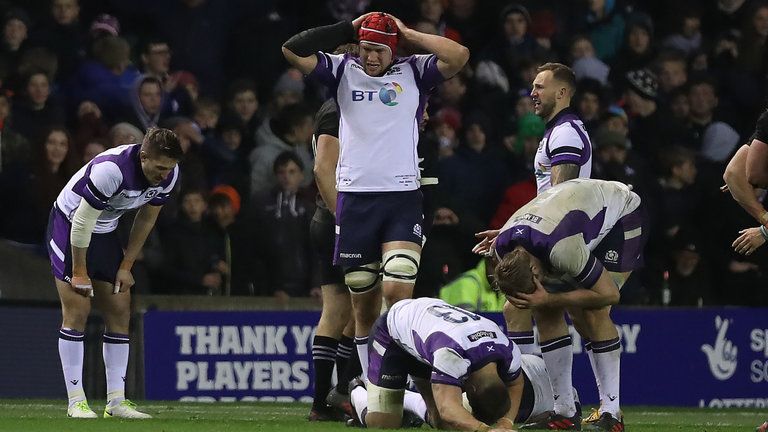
(327, 111)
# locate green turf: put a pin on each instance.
(44, 415)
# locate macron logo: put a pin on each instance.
(350, 255)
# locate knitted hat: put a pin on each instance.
(643, 82)
(229, 192)
(107, 24)
(379, 29)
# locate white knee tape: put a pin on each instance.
(361, 279)
(401, 265)
(384, 400)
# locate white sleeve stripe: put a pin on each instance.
(377, 31)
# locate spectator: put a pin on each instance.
(679, 197)
(584, 62)
(689, 278)
(288, 90)
(197, 31)
(673, 72)
(106, 80)
(615, 161)
(192, 166)
(714, 139)
(446, 124)
(16, 25)
(63, 35)
(14, 148)
(472, 290)
(36, 110)
(589, 102)
(725, 15)
(433, 11)
(637, 52)
(284, 215)
(124, 133)
(147, 102)
(194, 257)
(243, 105)
(92, 149)
(292, 131)
(604, 22)
(752, 50)
(687, 37)
(33, 188)
(156, 58)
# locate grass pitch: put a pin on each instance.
(17, 415)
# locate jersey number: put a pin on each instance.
(453, 314)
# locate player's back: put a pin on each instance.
(425, 324)
(590, 203)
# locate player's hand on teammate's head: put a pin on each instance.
(82, 285)
(123, 282)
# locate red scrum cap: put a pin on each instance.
(379, 29)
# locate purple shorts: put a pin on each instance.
(103, 257)
(389, 364)
(366, 220)
(621, 250)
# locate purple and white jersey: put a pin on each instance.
(565, 141)
(379, 120)
(113, 182)
(453, 341)
(563, 225)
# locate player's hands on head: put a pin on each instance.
(123, 282)
(357, 22)
(749, 241)
(487, 238)
(538, 298)
(82, 285)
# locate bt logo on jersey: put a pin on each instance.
(387, 94)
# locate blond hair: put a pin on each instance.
(513, 273)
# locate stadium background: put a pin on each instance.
(227, 91)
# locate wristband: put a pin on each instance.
(764, 218)
(764, 232)
(505, 422)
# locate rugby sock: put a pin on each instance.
(351, 371)
(412, 401)
(359, 399)
(115, 352)
(591, 356)
(362, 352)
(607, 367)
(71, 353)
(343, 352)
(524, 340)
(323, 359)
(558, 356)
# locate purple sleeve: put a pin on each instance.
(326, 71)
(426, 72)
(504, 243)
(591, 272)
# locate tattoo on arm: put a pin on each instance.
(564, 172)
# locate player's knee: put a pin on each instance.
(361, 279)
(401, 265)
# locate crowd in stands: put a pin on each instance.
(668, 90)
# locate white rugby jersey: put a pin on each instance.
(113, 182)
(565, 141)
(379, 120)
(453, 341)
(565, 223)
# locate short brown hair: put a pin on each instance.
(513, 274)
(162, 142)
(560, 72)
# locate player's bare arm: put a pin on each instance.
(451, 56)
(743, 192)
(453, 416)
(142, 226)
(603, 293)
(515, 390)
(325, 169)
(757, 164)
(564, 172)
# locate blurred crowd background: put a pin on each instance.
(668, 91)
